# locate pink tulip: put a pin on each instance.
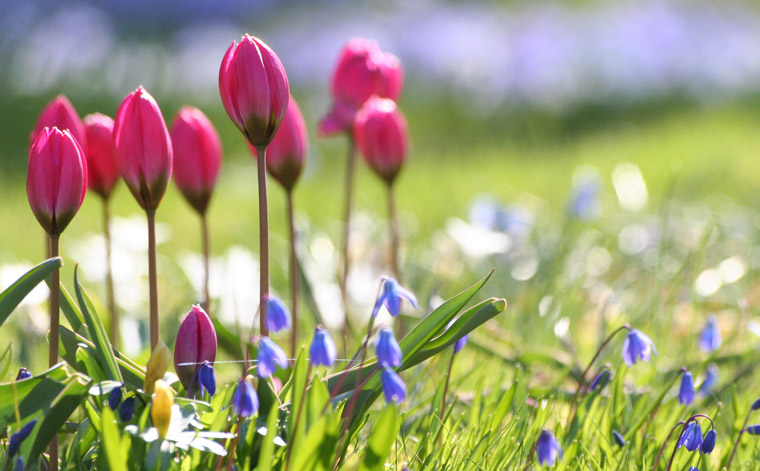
(382, 137)
(57, 179)
(61, 114)
(362, 70)
(197, 156)
(286, 153)
(254, 89)
(101, 166)
(196, 343)
(143, 148)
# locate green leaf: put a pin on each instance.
(267, 447)
(15, 293)
(381, 439)
(5, 359)
(111, 443)
(34, 395)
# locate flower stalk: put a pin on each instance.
(263, 239)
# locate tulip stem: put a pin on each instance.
(261, 165)
(293, 275)
(109, 275)
(205, 241)
(350, 165)
(153, 279)
(736, 444)
(55, 311)
(582, 379)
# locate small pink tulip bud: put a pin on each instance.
(254, 89)
(101, 167)
(196, 343)
(197, 156)
(381, 135)
(362, 70)
(143, 148)
(61, 114)
(286, 153)
(57, 179)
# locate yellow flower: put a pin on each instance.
(157, 365)
(161, 409)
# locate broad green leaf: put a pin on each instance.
(5, 359)
(298, 402)
(267, 447)
(15, 293)
(34, 395)
(381, 439)
(111, 442)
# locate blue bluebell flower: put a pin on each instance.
(114, 398)
(278, 317)
(619, 440)
(270, 356)
(686, 393)
(18, 437)
(693, 468)
(708, 444)
(753, 430)
(391, 295)
(600, 380)
(637, 346)
(691, 438)
(19, 466)
(756, 404)
(388, 350)
(459, 345)
(206, 378)
(23, 373)
(584, 200)
(548, 448)
(127, 409)
(244, 400)
(711, 377)
(322, 350)
(709, 339)
(393, 386)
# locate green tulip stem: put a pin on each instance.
(110, 300)
(263, 239)
(293, 274)
(206, 244)
(344, 247)
(153, 279)
(55, 310)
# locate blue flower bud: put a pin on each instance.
(388, 350)
(278, 317)
(548, 448)
(23, 373)
(127, 409)
(18, 437)
(691, 438)
(114, 398)
(19, 466)
(322, 350)
(686, 393)
(393, 386)
(459, 345)
(206, 378)
(753, 430)
(708, 444)
(601, 380)
(709, 339)
(244, 400)
(637, 346)
(270, 356)
(391, 295)
(693, 468)
(711, 377)
(619, 440)
(756, 405)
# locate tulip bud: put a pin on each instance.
(143, 148)
(362, 70)
(57, 179)
(286, 153)
(101, 167)
(196, 343)
(157, 365)
(197, 156)
(382, 137)
(161, 409)
(61, 114)
(254, 89)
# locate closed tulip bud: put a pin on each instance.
(161, 408)
(394, 388)
(157, 365)
(286, 153)
(381, 135)
(57, 179)
(102, 173)
(254, 89)
(143, 148)
(60, 113)
(197, 156)
(322, 350)
(196, 343)
(388, 350)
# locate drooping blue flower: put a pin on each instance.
(244, 400)
(686, 392)
(637, 346)
(206, 378)
(708, 444)
(23, 374)
(322, 350)
(548, 448)
(459, 345)
(388, 350)
(711, 377)
(691, 437)
(756, 404)
(753, 430)
(270, 356)
(114, 398)
(127, 409)
(393, 386)
(601, 380)
(278, 317)
(391, 295)
(18, 438)
(619, 440)
(709, 339)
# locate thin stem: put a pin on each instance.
(153, 279)
(298, 418)
(349, 183)
(581, 380)
(736, 444)
(393, 227)
(446, 386)
(55, 311)
(205, 241)
(293, 275)
(341, 380)
(111, 301)
(263, 239)
(530, 456)
(693, 418)
(662, 448)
